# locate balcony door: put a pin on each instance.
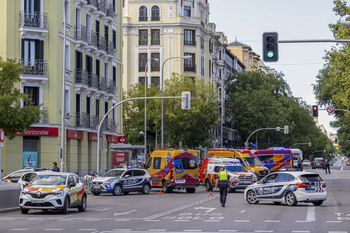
(32, 13)
(31, 6)
(33, 55)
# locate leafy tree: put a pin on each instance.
(13, 116)
(191, 127)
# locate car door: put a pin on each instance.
(139, 178)
(281, 185)
(266, 188)
(128, 180)
(73, 190)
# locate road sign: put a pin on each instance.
(2, 135)
(330, 109)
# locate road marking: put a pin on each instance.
(87, 229)
(181, 220)
(337, 232)
(263, 231)
(242, 211)
(272, 221)
(211, 220)
(128, 212)
(311, 214)
(157, 229)
(168, 212)
(227, 230)
(102, 210)
(301, 221)
(53, 229)
(205, 208)
(19, 229)
(334, 221)
(241, 220)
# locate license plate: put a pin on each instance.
(180, 181)
(38, 201)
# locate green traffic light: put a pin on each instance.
(270, 54)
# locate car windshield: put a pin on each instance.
(114, 173)
(252, 161)
(236, 169)
(49, 180)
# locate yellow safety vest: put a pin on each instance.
(223, 176)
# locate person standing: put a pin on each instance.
(326, 166)
(54, 167)
(223, 185)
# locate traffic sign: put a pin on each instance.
(2, 135)
(330, 109)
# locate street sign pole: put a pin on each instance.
(2, 138)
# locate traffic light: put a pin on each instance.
(314, 110)
(286, 129)
(270, 46)
(186, 100)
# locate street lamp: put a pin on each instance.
(222, 111)
(146, 83)
(162, 80)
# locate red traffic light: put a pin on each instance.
(314, 110)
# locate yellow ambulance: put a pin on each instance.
(174, 169)
(246, 158)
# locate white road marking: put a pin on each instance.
(19, 229)
(272, 221)
(102, 210)
(128, 212)
(168, 212)
(211, 220)
(301, 221)
(241, 220)
(311, 214)
(205, 208)
(157, 229)
(335, 221)
(242, 211)
(263, 231)
(300, 231)
(53, 229)
(181, 220)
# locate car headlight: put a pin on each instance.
(107, 185)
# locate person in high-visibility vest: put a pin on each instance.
(223, 185)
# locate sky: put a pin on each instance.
(247, 20)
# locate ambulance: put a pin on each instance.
(276, 159)
(239, 177)
(174, 169)
(249, 160)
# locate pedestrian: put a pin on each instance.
(326, 166)
(300, 164)
(54, 167)
(223, 185)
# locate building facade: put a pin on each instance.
(90, 63)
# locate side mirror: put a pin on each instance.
(127, 176)
(72, 185)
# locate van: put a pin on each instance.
(239, 177)
(249, 160)
(174, 169)
(276, 159)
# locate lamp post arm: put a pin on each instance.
(246, 142)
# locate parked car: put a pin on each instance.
(16, 175)
(306, 163)
(317, 163)
(289, 187)
(122, 180)
(54, 191)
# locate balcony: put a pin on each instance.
(111, 87)
(34, 66)
(91, 6)
(189, 68)
(82, 119)
(80, 3)
(101, 45)
(33, 23)
(81, 77)
(102, 84)
(93, 80)
(91, 38)
(113, 125)
(80, 35)
(95, 120)
(111, 15)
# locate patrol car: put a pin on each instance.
(122, 180)
(289, 187)
(54, 191)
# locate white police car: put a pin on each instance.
(291, 187)
(122, 180)
(54, 191)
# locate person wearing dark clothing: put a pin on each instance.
(223, 185)
(300, 164)
(54, 167)
(326, 166)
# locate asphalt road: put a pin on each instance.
(198, 212)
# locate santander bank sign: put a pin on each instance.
(40, 131)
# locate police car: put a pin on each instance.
(122, 180)
(53, 191)
(289, 187)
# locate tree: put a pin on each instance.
(191, 127)
(13, 116)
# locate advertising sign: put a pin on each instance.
(40, 131)
(30, 159)
(119, 159)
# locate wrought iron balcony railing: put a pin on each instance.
(33, 19)
(91, 38)
(111, 87)
(92, 2)
(44, 117)
(81, 76)
(112, 125)
(34, 66)
(190, 67)
(80, 33)
(101, 43)
(110, 47)
(102, 84)
(93, 80)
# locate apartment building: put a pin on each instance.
(90, 63)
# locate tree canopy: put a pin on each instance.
(13, 116)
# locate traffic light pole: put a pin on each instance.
(313, 41)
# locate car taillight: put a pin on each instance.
(302, 185)
(324, 185)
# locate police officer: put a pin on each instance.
(223, 185)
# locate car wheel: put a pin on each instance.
(317, 203)
(290, 199)
(96, 193)
(117, 190)
(24, 211)
(66, 205)
(146, 189)
(208, 186)
(190, 190)
(251, 197)
(83, 206)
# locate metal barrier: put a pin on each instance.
(9, 193)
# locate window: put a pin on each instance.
(142, 80)
(190, 38)
(155, 64)
(187, 11)
(77, 110)
(155, 13)
(142, 61)
(138, 173)
(189, 64)
(97, 110)
(143, 37)
(33, 94)
(67, 65)
(155, 81)
(156, 162)
(66, 102)
(114, 38)
(155, 37)
(32, 56)
(143, 13)
(114, 74)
